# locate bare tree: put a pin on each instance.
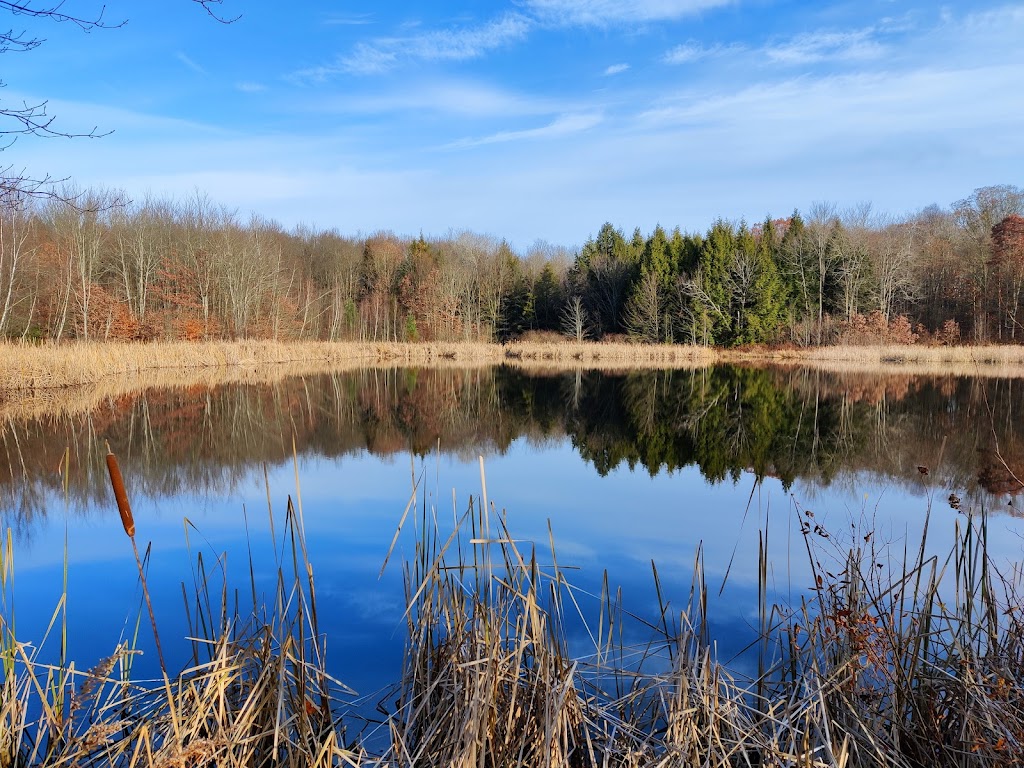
(80, 238)
(34, 118)
(200, 221)
(575, 322)
(823, 251)
(893, 254)
(643, 311)
(15, 250)
(699, 307)
(141, 240)
(976, 216)
(853, 267)
(1007, 261)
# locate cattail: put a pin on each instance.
(117, 482)
(119, 494)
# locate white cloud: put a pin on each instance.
(883, 118)
(859, 45)
(993, 29)
(1001, 18)
(188, 62)
(383, 54)
(693, 51)
(469, 43)
(601, 12)
(616, 69)
(366, 59)
(933, 120)
(250, 87)
(562, 126)
(354, 20)
(457, 97)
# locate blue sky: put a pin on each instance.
(534, 119)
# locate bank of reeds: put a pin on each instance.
(886, 662)
(60, 380)
(45, 367)
(1003, 361)
(51, 366)
(37, 371)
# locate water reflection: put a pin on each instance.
(791, 425)
(625, 469)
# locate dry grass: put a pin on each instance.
(41, 369)
(1004, 361)
(53, 366)
(68, 379)
(606, 356)
(56, 380)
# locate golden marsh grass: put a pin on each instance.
(66, 379)
(36, 368)
(49, 366)
(1003, 361)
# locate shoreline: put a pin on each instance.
(45, 369)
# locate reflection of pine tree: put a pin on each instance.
(725, 421)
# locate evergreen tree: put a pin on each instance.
(757, 290)
(648, 314)
(604, 273)
(713, 290)
(548, 298)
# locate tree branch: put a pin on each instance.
(33, 119)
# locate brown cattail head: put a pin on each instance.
(117, 482)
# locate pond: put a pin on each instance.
(620, 470)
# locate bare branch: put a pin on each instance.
(34, 118)
(208, 6)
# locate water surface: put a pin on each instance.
(625, 469)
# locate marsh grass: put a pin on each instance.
(63, 379)
(891, 659)
(1002, 361)
(256, 692)
(50, 366)
(42, 368)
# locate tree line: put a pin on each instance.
(86, 265)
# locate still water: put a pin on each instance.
(624, 470)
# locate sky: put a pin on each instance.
(530, 119)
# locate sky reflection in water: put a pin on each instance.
(352, 503)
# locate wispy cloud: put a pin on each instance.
(601, 12)
(385, 53)
(354, 20)
(693, 51)
(190, 63)
(250, 87)
(616, 69)
(999, 26)
(563, 126)
(462, 44)
(859, 45)
(465, 98)
(365, 59)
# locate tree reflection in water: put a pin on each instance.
(790, 424)
(570, 450)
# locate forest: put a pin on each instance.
(88, 264)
